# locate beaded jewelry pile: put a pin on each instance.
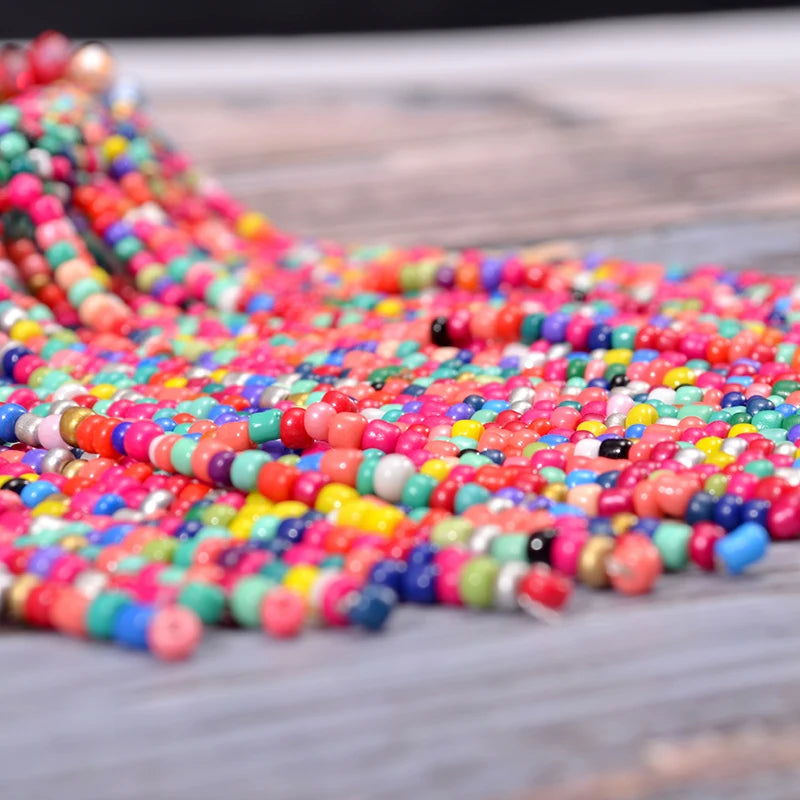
(204, 420)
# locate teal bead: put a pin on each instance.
(510, 547)
(245, 469)
(181, 456)
(246, 599)
(265, 426)
(12, 144)
(470, 494)
(265, 528)
(417, 491)
(60, 252)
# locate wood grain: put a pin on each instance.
(672, 139)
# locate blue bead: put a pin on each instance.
(41, 562)
(579, 477)
(10, 358)
(261, 302)
(634, 431)
(166, 424)
(130, 625)
(373, 607)
(647, 526)
(786, 410)
(118, 437)
(291, 530)
(553, 439)
(9, 414)
(600, 526)
(419, 583)
(388, 573)
(728, 511)
(108, 504)
(422, 554)
(600, 337)
(475, 400)
(732, 399)
(758, 403)
(742, 547)
(608, 480)
(115, 534)
(700, 508)
(494, 455)
(756, 511)
(36, 491)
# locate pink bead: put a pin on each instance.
(317, 420)
(333, 599)
(381, 435)
(566, 551)
(174, 633)
(282, 613)
(23, 189)
(138, 438)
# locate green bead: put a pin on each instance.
(553, 474)
(265, 528)
(245, 469)
(60, 252)
(130, 565)
(696, 410)
(417, 491)
(716, 484)
(218, 514)
(576, 367)
(102, 611)
(366, 474)
(162, 549)
(206, 600)
(450, 531)
(476, 582)
(672, 541)
(510, 547)
(761, 468)
(265, 426)
(275, 571)
(623, 337)
(776, 435)
(246, 599)
(531, 328)
(785, 387)
(181, 456)
(470, 494)
(13, 144)
(767, 419)
(127, 247)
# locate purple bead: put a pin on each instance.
(446, 277)
(219, 467)
(516, 496)
(34, 458)
(491, 274)
(460, 411)
(412, 407)
(252, 394)
(509, 362)
(227, 416)
(41, 562)
(554, 327)
(117, 231)
(794, 433)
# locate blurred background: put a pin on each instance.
(249, 17)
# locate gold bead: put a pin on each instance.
(556, 492)
(622, 522)
(18, 594)
(73, 542)
(68, 425)
(73, 468)
(92, 67)
(592, 561)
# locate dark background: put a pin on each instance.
(96, 18)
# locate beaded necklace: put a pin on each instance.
(204, 419)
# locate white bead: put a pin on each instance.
(391, 475)
(587, 447)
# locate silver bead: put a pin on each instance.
(90, 583)
(231, 379)
(26, 429)
(559, 350)
(482, 536)
(272, 395)
(520, 406)
(56, 459)
(157, 500)
(506, 585)
(9, 317)
(789, 474)
(128, 515)
(68, 391)
(60, 406)
(734, 447)
(197, 372)
(662, 393)
(524, 394)
(45, 522)
(615, 420)
(371, 413)
(498, 504)
(42, 161)
(785, 449)
(533, 359)
(690, 456)
(638, 387)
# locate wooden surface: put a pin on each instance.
(667, 139)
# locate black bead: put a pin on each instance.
(15, 485)
(540, 546)
(378, 385)
(439, 333)
(615, 448)
(618, 380)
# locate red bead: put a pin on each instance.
(701, 544)
(545, 587)
(15, 71)
(49, 55)
(293, 430)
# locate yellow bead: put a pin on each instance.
(300, 579)
(641, 414)
(50, 506)
(4, 479)
(352, 513)
(334, 495)
(720, 459)
(105, 391)
(436, 468)
(251, 224)
(709, 444)
(101, 276)
(594, 426)
(618, 355)
(175, 383)
(740, 428)
(114, 146)
(679, 376)
(73, 542)
(556, 492)
(240, 527)
(25, 329)
(622, 522)
(382, 519)
(218, 374)
(470, 428)
(391, 307)
(289, 508)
